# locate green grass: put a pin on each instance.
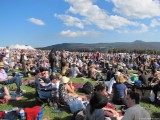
(29, 100)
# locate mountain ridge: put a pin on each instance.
(137, 44)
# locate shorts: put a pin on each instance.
(2, 95)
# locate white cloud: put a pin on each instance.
(155, 23)
(36, 21)
(70, 33)
(140, 29)
(94, 15)
(139, 9)
(70, 21)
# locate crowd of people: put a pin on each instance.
(111, 70)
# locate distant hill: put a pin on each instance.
(137, 44)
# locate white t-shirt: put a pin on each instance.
(7, 53)
(112, 81)
(75, 71)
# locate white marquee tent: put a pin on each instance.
(17, 46)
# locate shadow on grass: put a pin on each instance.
(145, 100)
(156, 115)
(29, 100)
(29, 95)
(66, 118)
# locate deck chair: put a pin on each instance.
(45, 94)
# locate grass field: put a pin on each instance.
(29, 100)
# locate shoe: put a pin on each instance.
(21, 92)
(83, 78)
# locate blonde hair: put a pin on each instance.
(120, 79)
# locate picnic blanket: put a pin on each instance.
(77, 85)
(3, 101)
(28, 81)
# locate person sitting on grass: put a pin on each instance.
(75, 72)
(119, 91)
(53, 81)
(94, 109)
(67, 91)
(101, 88)
(109, 109)
(5, 79)
(5, 94)
(135, 111)
(66, 70)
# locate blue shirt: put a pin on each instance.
(119, 90)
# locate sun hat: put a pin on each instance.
(117, 73)
(124, 65)
(65, 79)
(1, 64)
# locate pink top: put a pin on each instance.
(3, 74)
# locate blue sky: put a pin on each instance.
(41, 23)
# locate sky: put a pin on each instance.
(41, 23)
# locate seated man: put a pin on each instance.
(75, 71)
(54, 82)
(4, 94)
(5, 79)
(135, 111)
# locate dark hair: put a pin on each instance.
(52, 77)
(134, 95)
(100, 87)
(141, 71)
(97, 101)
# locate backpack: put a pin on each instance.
(88, 88)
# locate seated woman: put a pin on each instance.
(66, 70)
(84, 69)
(4, 94)
(44, 66)
(109, 109)
(93, 72)
(67, 91)
(119, 91)
(94, 109)
(101, 88)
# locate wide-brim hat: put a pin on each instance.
(65, 79)
(75, 64)
(1, 64)
(117, 73)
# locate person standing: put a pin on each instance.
(63, 59)
(52, 60)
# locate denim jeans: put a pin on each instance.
(16, 80)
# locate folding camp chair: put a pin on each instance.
(45, 94)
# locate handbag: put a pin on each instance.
(75, 105)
